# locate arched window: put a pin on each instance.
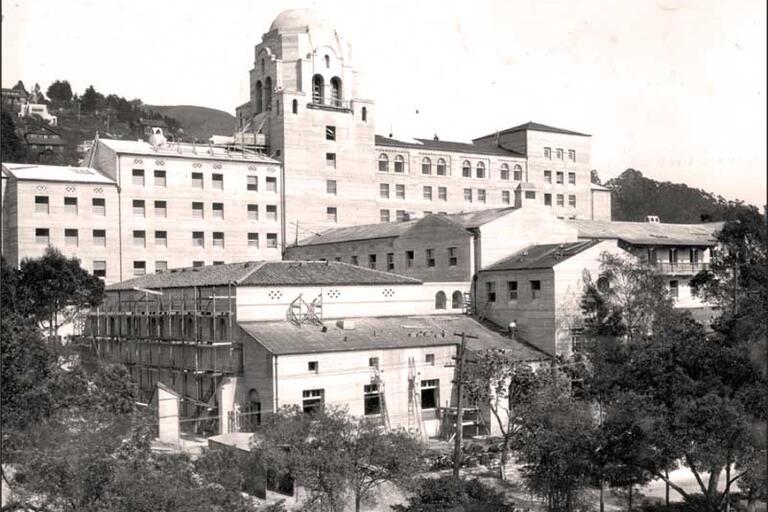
(480, 170)
(257, 92)
(327, 61)
(457, 300)
(383, 163)
(364, 114)
(262, 66)
(268, 93)
(318, 93)
(441, 167)
(426, 165)
(295, 106)
(504, 172)
(336, 91)
(440, 300)
(399, 164)
(518, 175)
(466, 169)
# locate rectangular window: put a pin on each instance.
(559, 153)
(429, 359)
(409, 257)
(198, 210)
(198, 239)
(161, 238)
(371, 400)
(490, 291)
(161, 266)
(71, 237)
(481, 195)
(467, 195)
(271, 184)
(42, 236)
(560, 200)
(354, 260)
(70, 205)
(253, 239)
(559, 178)
(372, 261)
(197, 180)
(674, 289)
(100, 268)
(161, 209)
(100, 237)
(571, 178)
(442, 193)
(505, 197)
(253, 212)
(652, 258)
(548, 176)
(399, 215)
(271, 212)
(198, 264)
(694, 256)
(330, 160)
(390, 261)
(384, 215)
(530, 194)
(400, 191)
(99, 206)
(548, 153)
(330, 133)
(384, 190)
(253, 183)
(547, 199)
(218, 210)
(430, 257)
(313, 366)
(512, 290)
(138, 208)
(673, 256)
(331, 214)
(572, 201)
(218, 239)
(430, 393)
(572, 155)
(271, 240)
(139, 268)
(330, 187)
(453, 259)
(160, 179)
(312, 400)
(427, 193)
(217, 181)
(139, 238)
(41, 204)
(535, 289)
(138, 177)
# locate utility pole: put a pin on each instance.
(460, 362)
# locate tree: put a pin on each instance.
(498, 379)
(92, 100)
(11, 149)
(446, 493)
(20, 88)
(53, 289)
(60, 91)
(594, 177)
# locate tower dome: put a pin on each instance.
(298, 20)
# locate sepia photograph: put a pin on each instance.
(409, 256)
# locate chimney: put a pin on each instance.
(436, 138)
(653, 219)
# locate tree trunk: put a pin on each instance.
(504, 459)
(629, 498)
(666, 489)
(602, 493)
(358, 501)
(727, 490)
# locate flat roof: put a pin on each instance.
(541, 256)
(187, 150)
(65, 173)
(649, 233)
(381, 333)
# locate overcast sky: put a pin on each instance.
(676, 89)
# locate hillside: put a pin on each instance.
(634, 196)
(197, 122)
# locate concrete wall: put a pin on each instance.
(601, 205)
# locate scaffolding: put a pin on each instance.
(415, 418)
(379, 382)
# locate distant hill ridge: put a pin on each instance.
(198, 122)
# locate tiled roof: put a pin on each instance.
(265, 273)
(284, 337)
(466, 220)
(536, 127)
(56, 173)
(541, 256)
(649, 233)
(449, 146)
(186, 149)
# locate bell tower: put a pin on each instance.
(304, 99)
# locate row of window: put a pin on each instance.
(402, 215)
(560, 198)
(442, 169)
(430, 259)
(534, 289)
(140, 266)
(314, 399)
(99, 205)
(560, 177)
(694, 255)
(442, 193)
(99, 238)
(217, 180)
(559, 154)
